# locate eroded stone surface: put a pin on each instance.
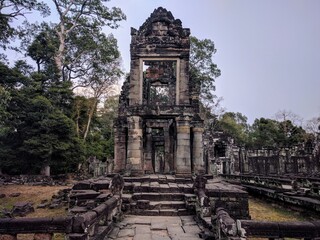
(156, 228)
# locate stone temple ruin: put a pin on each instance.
(158, 149)
(159, 129)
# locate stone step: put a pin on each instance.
(159, 178)
(164, 212)
(157, 187)
(157, 205)
(167, 204)
(158, 196)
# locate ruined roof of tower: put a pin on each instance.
(164, 16)
(160, 15)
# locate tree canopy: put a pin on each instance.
(40, 122)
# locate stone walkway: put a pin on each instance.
(156, 228)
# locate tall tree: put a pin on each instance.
(16, 9)
(203, 71)
(235, 125)
(264, 134)
(38, 133)
(82, 16)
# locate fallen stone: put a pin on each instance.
(22, 209)
(14, 194)
(43, 205)
(54, 206)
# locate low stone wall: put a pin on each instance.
(230, 197)
(226, 227)
(302, 192)
(34, 180)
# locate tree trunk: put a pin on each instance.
(90, 115)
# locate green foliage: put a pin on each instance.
(13, 9)
(43, 48)
(100, 140)
(264, 133)
(235, 125)
(41, 121)
(272, 134)
(203, 71)
(4, 99)
(38, 132)
(80, 37)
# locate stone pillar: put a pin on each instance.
(197, 150)
(183, 158)
(148, 168)
(119, 149)
(135, 94)
(183, 79)
(134, 154)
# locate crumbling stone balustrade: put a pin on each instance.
(229, 228)
(203, 202)
(9, 228)
(225, 226)
(91, 225)
(306, 230)
(301, 192)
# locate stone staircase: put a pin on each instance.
(158, 195)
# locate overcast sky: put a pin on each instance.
(268, 51)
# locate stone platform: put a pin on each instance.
(164, 228)
(161, 195)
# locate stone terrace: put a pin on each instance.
(164, 228)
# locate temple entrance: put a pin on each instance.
(158, 159)
(160, 142)
(158, 104)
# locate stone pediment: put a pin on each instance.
(161, 27)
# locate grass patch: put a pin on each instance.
(34, 194)
(265, 211)
(56, 236)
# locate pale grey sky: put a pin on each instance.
(268, 51)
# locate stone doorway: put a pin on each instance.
(159, 159)
(160, 141)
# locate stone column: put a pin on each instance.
(134, 154)
(183, 158)
(135, 92)
(119, 149)
(183, 79)
(148, 152)
(197, 150)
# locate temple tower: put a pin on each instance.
(158, 129)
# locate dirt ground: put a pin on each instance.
(34, 194)
(267, 211)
